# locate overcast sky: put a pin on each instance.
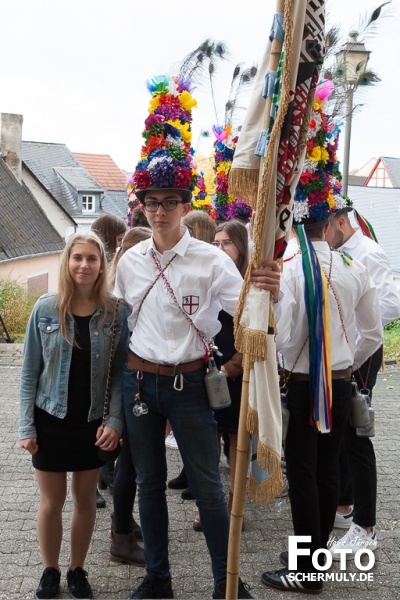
(76, 69)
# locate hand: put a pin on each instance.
(267, 278)
(107, 438)
(29, 444)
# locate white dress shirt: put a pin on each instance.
(359, 307)
(204, 280)
(371, 255)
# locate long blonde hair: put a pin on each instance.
(133, 237)
(66, 287)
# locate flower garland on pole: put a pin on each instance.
(227, 206)
(201, 197)
(319, 191)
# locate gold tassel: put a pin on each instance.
(243, 183)
(252, 342)
(267, 459)
(252, 421)
(267, 490)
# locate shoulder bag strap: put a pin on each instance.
(108, 383)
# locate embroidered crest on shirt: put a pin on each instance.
(190, 304)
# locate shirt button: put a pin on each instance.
(96, 333)
(48, 328)
(97, 355)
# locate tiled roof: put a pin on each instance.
(392, 166)
(24, 227)
(104, 170)
(115, 203)
(57, 169)
(381, 207)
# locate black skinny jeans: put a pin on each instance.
(358, 479)
(312, 463)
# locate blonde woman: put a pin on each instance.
(63, 382)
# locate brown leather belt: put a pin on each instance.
(139, 364)
(341, 374)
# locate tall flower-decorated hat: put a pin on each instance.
(227, 206)
(319, 191)
(166, 156)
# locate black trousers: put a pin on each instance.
(312, 463)
(358, 479)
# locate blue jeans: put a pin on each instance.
(195, 430)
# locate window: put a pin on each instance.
(88, 204)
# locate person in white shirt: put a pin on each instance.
(312, 454)
(358, 473)
(175, 287)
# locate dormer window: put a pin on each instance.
(88, 204)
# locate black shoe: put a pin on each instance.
(220, 590)
(187, 494)
(284, 558)
(151, 587)
(49, 583)
(78, 584)
(100, 502)
(285, 581)
(180, 482)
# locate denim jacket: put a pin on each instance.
(47, 360)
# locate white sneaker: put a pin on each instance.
(343, 521)
(170, 441)
(355, 539)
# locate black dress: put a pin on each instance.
(68, 444)
(228, 418)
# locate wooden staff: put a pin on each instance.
(243, 443)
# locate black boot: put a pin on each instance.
(100, 502)
(180, 482)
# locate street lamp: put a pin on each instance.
(351, 63)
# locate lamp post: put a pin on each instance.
(351, 63)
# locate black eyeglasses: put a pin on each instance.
(168, 205)
(223, 244)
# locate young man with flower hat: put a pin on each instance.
(358, 474)
(175, 287)
(325, 296)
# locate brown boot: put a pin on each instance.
(135, 528)
(125, 549)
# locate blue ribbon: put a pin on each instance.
(277, 31)
(269, 84)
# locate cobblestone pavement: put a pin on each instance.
(264, 537)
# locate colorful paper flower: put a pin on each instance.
(318, 192)
(166, 155)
